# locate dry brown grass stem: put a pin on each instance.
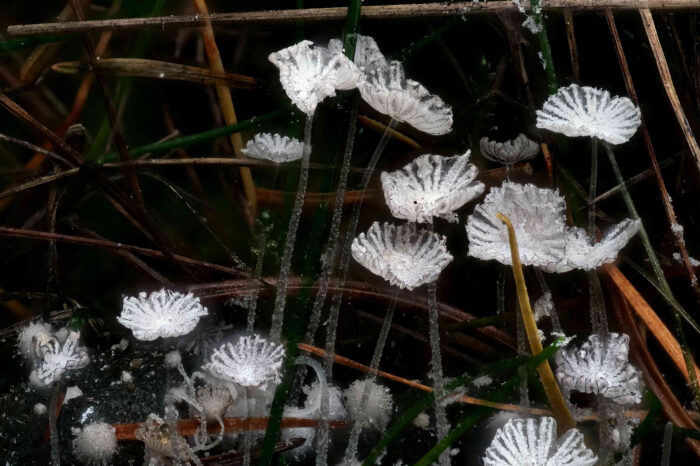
(401, 11)
(665, 198)
(112, 246)
(226, 103)
(187, 427)
(645, 312)
(665, 73)
(410, 383)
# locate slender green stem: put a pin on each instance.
(352, 22)
(198, 138)
(467, 423)
(428, 399)
(642, 231)
(545, 48)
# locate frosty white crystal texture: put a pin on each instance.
(539, 220)
(214, 398)
(380, 404)
(310, 73)
(587, 111)
(367, 53)
(32, 336)
(537, 216)
(388, 91)
(601, 367)
(431, 186)
(161, 314)
(404, 255)
(509, 152)
(95, 444)
(251, 362)
(57, 358)
(274, 147)
(583, 255)
(531, 442)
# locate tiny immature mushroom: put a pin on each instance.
(587, 111)
(158, 441)
(274, 147)
(31, 336)
(431, 186)
(532, 442)
(377, 413)
(161, 314)
(600, 366)
(310, 73)
(387, 90)
(510, 152)
(95, 444)
(251, 361)
(405, 256)
(57, 358)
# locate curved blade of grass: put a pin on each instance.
(427, 400)
(187, 141)
(551, 388)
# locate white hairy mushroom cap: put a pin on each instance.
(33, 335)
(539, 220)
(510, 152)
(431, 186)
(600, 366)
(251, 362)
(586, 111)
(534, 442)
(57, 358)
(387, 90)
(95, 444)
(274, 147)
(380, 404)
(405, 256)
(161, 314)
(367, 53)
(310, 73)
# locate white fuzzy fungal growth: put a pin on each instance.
(404, 255)
(214, 399)
(172, 359)
(431, 186)
(539, 219)
(95, 444)
(601, 367)
(388, 91)
(516, 150)
(581, 254)
(367, 53)
(380, 404)
(310, 73)
(251, 362)
(57, 358)
(30, 337)
(274, 147)
(531, 442)
(39, 409)
(161, 314)
(587, 111)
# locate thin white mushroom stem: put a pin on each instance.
(324, 429)
(436, 370)
(290, 240)
(53, 432)
(351, 449)
(592, 187)
(247, 436)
